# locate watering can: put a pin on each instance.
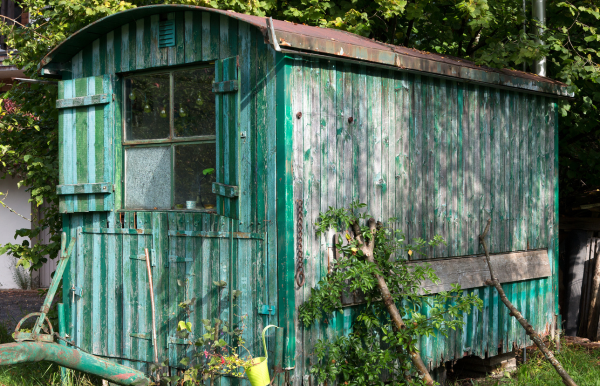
(257, 369)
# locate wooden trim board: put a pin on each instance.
(472, 271)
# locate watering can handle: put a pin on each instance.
(263, 336)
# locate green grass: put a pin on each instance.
(582, 364)
(38, 374)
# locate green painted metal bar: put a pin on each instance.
(208, 234)
(62, 332)
(89, 100)
(27, 352)
(64, 259)
(91, 188)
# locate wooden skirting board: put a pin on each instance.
(472, 271)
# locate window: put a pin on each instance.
(169, 132)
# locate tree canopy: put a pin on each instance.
(496, 33)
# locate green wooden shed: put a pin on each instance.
(293, 119)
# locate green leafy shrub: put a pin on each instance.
(376, 352)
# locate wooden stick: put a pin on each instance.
(594, 309)
(367, 248)
(514, 312)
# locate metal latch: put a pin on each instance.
(76, 291)
(266, 310)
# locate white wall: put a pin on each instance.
(18, 199)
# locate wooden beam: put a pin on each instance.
(89, 100)
(472, 271)
(224, 190)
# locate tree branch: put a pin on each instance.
(567, 380)
(367, 248)
(11, 209)
(24, 26)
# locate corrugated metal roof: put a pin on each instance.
(307, 39)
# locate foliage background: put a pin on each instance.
(496, 33)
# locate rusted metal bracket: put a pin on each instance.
(272, 36)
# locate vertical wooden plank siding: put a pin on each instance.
(438, 155)
(441, 157)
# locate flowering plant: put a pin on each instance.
(216, 353)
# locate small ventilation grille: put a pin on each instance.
(166, 34)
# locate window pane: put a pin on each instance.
(194, 102)
(191, 184)
(147, 107)
(148, 178)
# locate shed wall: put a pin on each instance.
(101, 266)
(441, 157)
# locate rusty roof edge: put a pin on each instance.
(326, 56)
(387, 55)
(420, 65)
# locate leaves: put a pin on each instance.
(220, 283)
(184, 326)
(374, 345)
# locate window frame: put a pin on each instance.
(171, 141)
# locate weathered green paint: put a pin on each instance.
(225, 86)
(26, 352)
(285, 209)
(89, 100)
(224, 190)
(460, 154)
(235, 235)
(85, 157)
(102, 188)
(424, 150)
(65, 255)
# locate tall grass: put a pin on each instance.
(21, 276)
(582, 364)
(40, 373)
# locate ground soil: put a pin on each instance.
(16, 303)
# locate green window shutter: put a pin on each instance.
(85, 145)
(226, 92)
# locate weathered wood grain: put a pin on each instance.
(472, 272)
